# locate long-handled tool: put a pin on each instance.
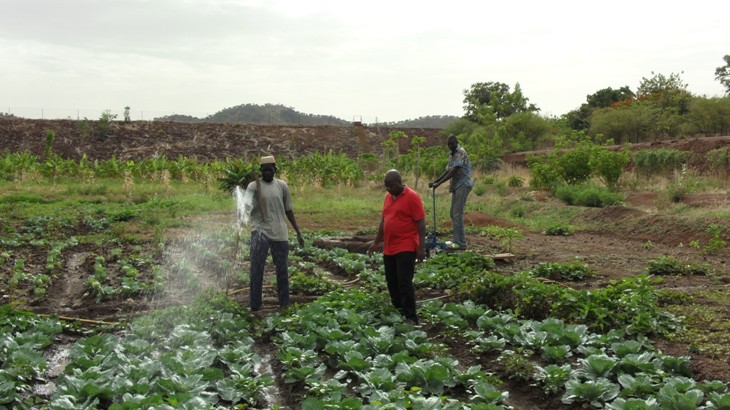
(431, 238)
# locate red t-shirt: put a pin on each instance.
(400, 230)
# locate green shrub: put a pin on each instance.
(662, 161)
(515, 182)
(630, 305)
(669, 266)
(517, 212)
(719, 160)
(480, 189)
(559, 230)
(501, 188)
(679, 189)
(506, 236)
(104, 124)
(609, 165)
(587, 195)
(238, 173)
(544, 174)
(714, 244)
(574, 165)
(489, 179)
(448, 270)
(570, 271)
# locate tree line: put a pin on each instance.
(499, 120)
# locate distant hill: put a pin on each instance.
(268, 114)
(277, 114)
(429, 121)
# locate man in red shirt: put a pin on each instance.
(403, 231)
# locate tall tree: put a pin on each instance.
(606, 97)
(579, 119)
(659, 83)
(494, 100)
(669, 93)
(722, 74)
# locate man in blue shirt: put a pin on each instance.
(458, 171)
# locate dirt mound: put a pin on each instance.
(204, 141)
(707, 200)
(642, 199)
(611, 214)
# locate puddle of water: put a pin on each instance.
(57, 357)
(272, 393)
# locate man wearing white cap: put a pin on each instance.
(271, 204)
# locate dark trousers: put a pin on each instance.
(399, 270)
(260, 246)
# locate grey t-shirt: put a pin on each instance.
(276, 200)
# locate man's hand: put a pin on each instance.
(372, 248)
(420, 254)
(300, 239)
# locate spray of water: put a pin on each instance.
(244, 203)
(201, 258)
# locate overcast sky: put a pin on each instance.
(373, 60)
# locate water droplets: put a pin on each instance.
(244, 203)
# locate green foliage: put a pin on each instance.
(607, 97)
(310, 283)
(608, 166)
(505, 236)
(628, 124)
(516, 365)
(714, 244)
(630, 304)
(596, 392)
(24, 338)
(680, 187)
(660, 162)
(574, 161)
(515, 181)
(587, 195)
(571, 271)
(719, 161)
(544, 172)
(675, 397)
(368, 161)
(179, 355)
(495, 98)
(559, 230)
(708, 116)
(451, 270)
(552, 378)
(238, 172)
(104, 124)
(574, 164)
(323, 169)
(479, 189)
(524, 131)
(48, 150)
(669, 266)
(722, 74)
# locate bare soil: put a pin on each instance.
(204, 141)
